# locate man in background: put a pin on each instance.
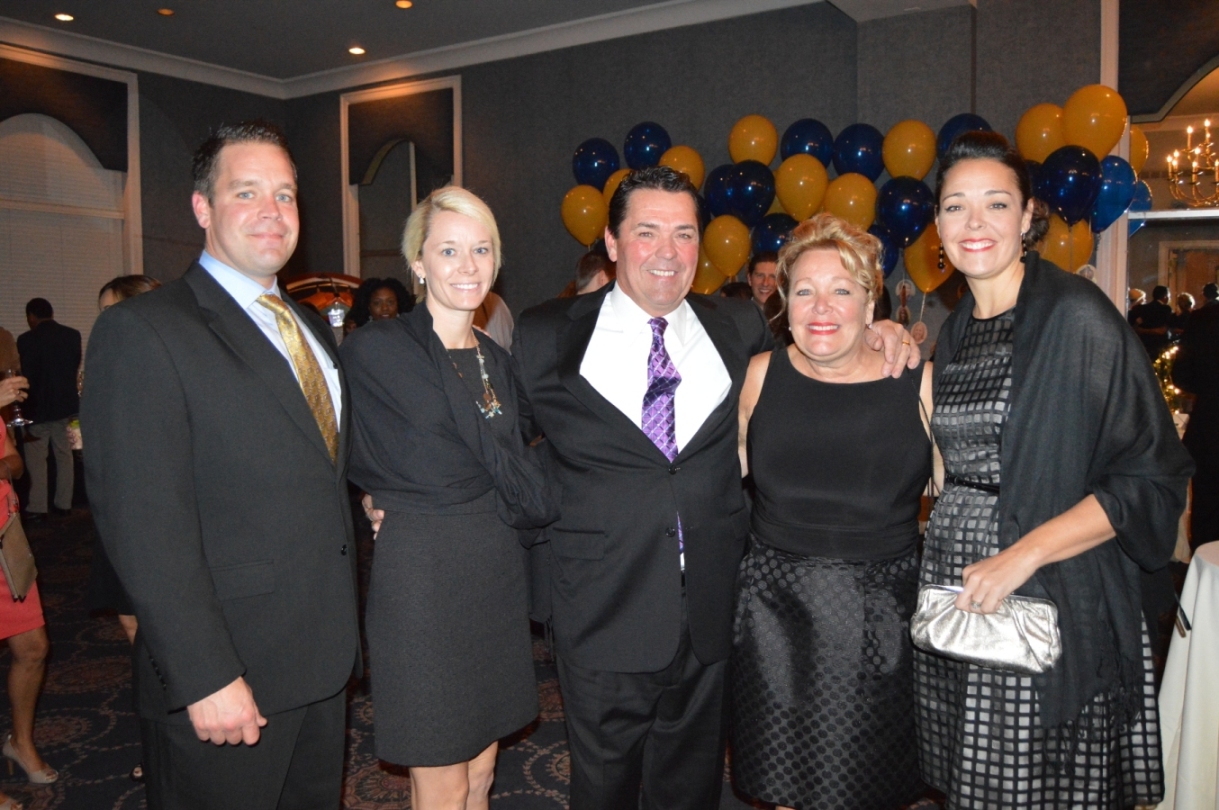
(763, 276)
(50, 359)
(1151, 321)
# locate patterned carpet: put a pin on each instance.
(87, 730)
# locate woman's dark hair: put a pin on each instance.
(656, 178)
(125, 287)
(993, 146)
(363, 297)
(884, 305)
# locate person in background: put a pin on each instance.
(1063, 478)
(22, 626)
(737, 289)
(493, 318)
(1151, 321)
(379, 299)
(50, 360)
(436, 439)
(1134, 298)
(1210, 294)
(1196, 371)
(775, 312)
(593, 271)
(763, 276)
(822, 677)
(1180, 320)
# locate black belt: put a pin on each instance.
(965, 482)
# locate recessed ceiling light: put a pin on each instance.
(64, 17)
(165, 12)
(404, 3)
(356, 51)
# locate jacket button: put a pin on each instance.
(673, 468)
(343, 550)
(670, 532)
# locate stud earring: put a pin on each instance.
(941, 262)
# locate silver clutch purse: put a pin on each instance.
(1022, 636)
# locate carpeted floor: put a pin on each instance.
(87, 730)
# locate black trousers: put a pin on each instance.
(297, 764)
(1204, 509)
(659, 733)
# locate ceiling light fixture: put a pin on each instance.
(64, 17)
(356, 51)
(165, 12)
(404, 3)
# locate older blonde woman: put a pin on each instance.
(822, 680)
(436, 445)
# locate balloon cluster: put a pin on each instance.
(754, 209)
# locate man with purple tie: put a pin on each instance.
(635, 388)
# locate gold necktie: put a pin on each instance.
(309, 372)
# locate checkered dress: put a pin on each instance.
(980, 736)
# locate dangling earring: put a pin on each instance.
(941, 263)
(423, 281)
(1024, 248)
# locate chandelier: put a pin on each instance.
(1201, 165)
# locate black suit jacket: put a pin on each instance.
(614, 572)
(1196, 370)
(50, 358)
(218, 503)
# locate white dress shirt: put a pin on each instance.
(245, 292)
(616, 362)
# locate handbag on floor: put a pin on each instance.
(16, 558)
(1021, 636)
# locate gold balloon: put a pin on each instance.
(923, 261)
(1094, 117)
(909, 149)
(753, 138)
(585, 214)
(1139, 149)
(611, 185)
(726, 242)
(1040, 132)
(852, 197)
(1069, 247)
(686, 160)
(800, 184)
(708, 278)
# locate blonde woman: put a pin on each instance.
(437, 447)
(822, 671)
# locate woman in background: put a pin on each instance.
(380, 299)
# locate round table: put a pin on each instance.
(1189, 695)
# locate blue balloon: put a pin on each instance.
(645, 143)
(906, 207)
(594, 161)
(1117, 183)
(1141, 202)
(958, 125)
(770, 235)
(810, 137)
(860, 148)
(715, 190)
(889, 251)
(751, 190)
(1070, 179)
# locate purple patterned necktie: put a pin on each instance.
(659, 414)
(659, 421)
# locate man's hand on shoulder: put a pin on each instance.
(228, 716)
(898, 346)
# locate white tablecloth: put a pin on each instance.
(1189, 695)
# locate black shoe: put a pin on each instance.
(60, 513)
(33, 517)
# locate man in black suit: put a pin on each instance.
(1196, 370)
(635, 388)
(216, 461)
(50, 358)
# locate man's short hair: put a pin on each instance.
(1210, 291)
(654, 178)
(1159, 293)
(40, 308)
(759, 258)
(203, 168)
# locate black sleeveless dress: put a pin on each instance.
(821, 675)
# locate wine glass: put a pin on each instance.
(18, 418)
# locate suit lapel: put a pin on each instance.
(247, 342)
(727, 341)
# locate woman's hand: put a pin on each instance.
(898, 346)
(988, 582)
(13, 389)
(375, 516)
